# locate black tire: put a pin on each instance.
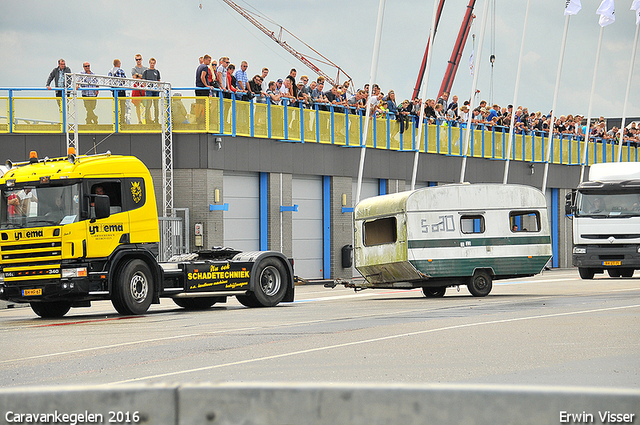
(627, 273)
(434, 292)
(614, 272)
(248, 300)
(133, 288)
(269, 283)
(196, 303)
(480, 284)
(51, 310)
(586, 273)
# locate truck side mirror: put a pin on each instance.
(569, 207)
(102, 206)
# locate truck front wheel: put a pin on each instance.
(133, 288)
(586, 273)
(51, 309)
(480, 284)
(269, 285)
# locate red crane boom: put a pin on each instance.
(249, 16)
(454, 61)
(416, 89)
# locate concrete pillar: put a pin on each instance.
(341, 225)
(279, 192)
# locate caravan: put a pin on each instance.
(459, 234)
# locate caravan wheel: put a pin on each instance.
(480, 284)
(434, 292)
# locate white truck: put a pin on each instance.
(458, 234)
(606, 220)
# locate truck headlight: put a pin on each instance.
(75, 272)
(1, 289)
(579, 250)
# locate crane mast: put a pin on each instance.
(278, 39)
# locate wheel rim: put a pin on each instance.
(139, 287)
(481, 283)
(270, 281)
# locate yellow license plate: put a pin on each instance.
(612, 263)
(31, 292)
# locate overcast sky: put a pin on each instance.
(34, 34)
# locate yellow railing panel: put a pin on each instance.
(340, 128)
(381, 133)
(37, 115)
(432, 138)
(354, 130)
(293, 123)
(309, 125)
(277, 122)
(4, 120)
(243, 115)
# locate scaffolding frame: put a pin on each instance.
(79, 82)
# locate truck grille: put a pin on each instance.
(29, 262)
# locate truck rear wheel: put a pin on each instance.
(480, 284)
(586, 273)
(133, 288)
(269, 284)
(51, 309)
(434, 292)
(196, 303)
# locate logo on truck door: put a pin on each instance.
(136, 191)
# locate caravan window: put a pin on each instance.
(472, 224)
(381, 231)
(524, 221)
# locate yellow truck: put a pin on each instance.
(77, 229)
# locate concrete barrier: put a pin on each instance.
(326, 404)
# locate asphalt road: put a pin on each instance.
(551, 329)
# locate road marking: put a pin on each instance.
(368, 341)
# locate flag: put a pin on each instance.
(607, 13)
(636, 6)
(472, 61)
(572, 7)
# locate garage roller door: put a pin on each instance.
(307, 226)
(242, 222)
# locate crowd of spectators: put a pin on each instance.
(221, 78)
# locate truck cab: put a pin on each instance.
(606, 221)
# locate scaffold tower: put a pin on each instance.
(76, 83)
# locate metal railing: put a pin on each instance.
(229, 116)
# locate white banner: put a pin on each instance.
(636, 6)
(607, 13)
(573, 7)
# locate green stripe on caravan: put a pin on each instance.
(475, 241)
(465, 267)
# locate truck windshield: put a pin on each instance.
(32, 206)
(608, 204)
